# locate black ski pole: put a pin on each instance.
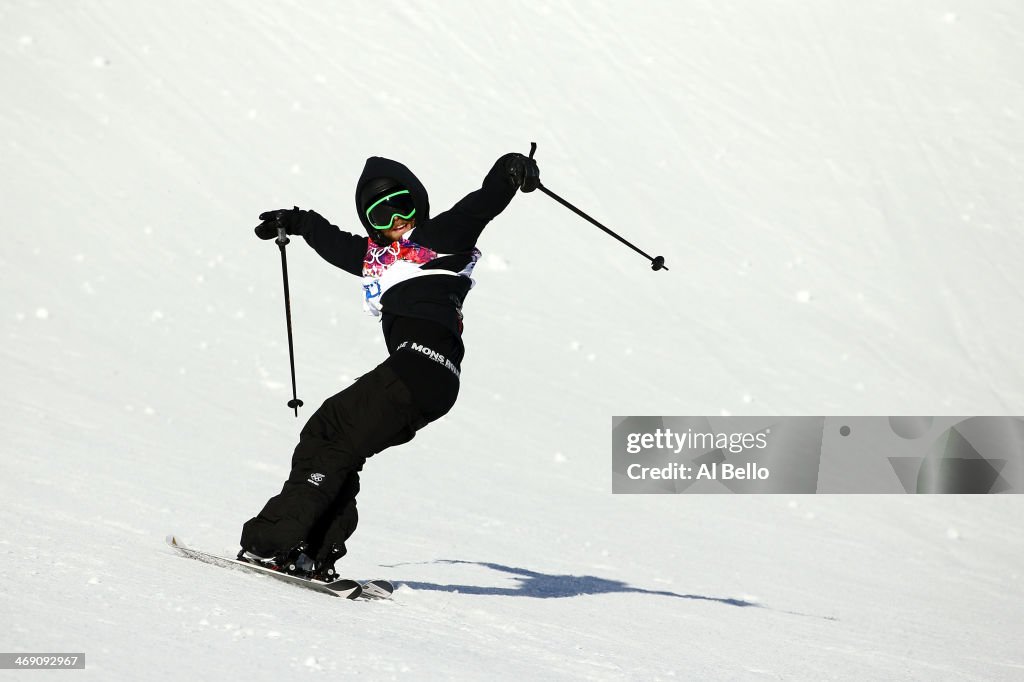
(657, 262)
(282, 241)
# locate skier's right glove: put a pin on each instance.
(522, 172)
(288, 218)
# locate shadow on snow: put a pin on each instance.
(553, 586)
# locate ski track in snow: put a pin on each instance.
(836, 190)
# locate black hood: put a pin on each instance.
(379, 167)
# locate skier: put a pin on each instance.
(416, 274)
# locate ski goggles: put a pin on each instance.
(381, 214)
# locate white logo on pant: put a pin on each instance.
(315, 479)
(430, 353)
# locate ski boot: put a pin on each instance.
(324, 569)
(293, 562)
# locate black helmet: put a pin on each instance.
(374, 189)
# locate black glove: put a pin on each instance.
(522, 172)
(288, 218)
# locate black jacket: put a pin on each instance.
(452, 235)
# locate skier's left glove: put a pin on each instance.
(522, 172)
(288, 218)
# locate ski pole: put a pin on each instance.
(657, 262)
(282, 241)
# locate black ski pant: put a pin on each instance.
(382, 408)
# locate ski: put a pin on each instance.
(377, 589)
(342, 587)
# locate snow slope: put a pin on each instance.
(836, 188)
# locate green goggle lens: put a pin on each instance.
(381, 214)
